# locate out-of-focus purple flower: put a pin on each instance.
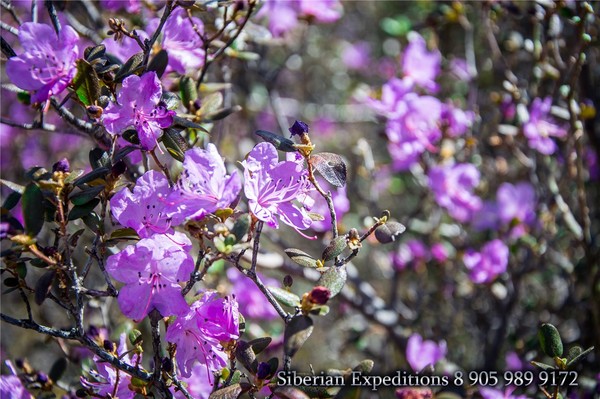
(180, 40)
(491, 393)
(459, 68)
(131, 6)
(356, 56)
(48, 64)
(272, 186)
(591, 159)
(11, 385)
(487, 217)
(419, 64)
(203, 186)
(414, 393)
(410, 252)
(143, 209)
(439, 252)
(508, 108)
(455, 120)
(139, 106)
(199, 383)
(486, 265)
(198, 334)
(453, 189)
(323, 11)
(514, 362)
(126, 47)
(323, 127)
(391, 103)
(540, 127)
(252, 302)
(516, 203)
(420, 353)
(151, 271)
(341, 205)
(109, 380)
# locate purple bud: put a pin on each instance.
(61, 166)
(41, 377)
(108, 345)
(298, 128)
(93, 331)
(167, 364)
(320, 295)
(263, 370)
(288, 281)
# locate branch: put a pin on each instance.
(53, 15)
(8, 7)
(9, 28)
(7, 50)
(31, 325)
(28, 126)
(155, 328)
(169, 7)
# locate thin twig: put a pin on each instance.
(53, 15)
(82, 29)
(9, 28)
(256, 245)
(169, 7)
(28, 126)
(156, 347)
(8, 7)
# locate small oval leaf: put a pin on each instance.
(389, 231)
(333, 279)
(230, 392)
(175, 144)
(301, 257)
(260, 344)
(296, 333)
(93, 175)
(158, 63)
(281, 143)
(285, 297)
(246, 356)
(85, 196)
(43, 286)
(33, 209)
(331, 166)
(133, 65)
(335, 248)
(81, 211)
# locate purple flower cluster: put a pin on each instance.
(416, 122)
(421, 353)
(540, 128)
(48, 64)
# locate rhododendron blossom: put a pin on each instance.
(143, 208)
(453, 189)
(139, 106)
(419, 64)
(203, 186)
(48, 64)
(421, 353)
(251, 301)
(272, 186)
(106, 379)
(11, 385)
(152, 270)
(199, 333)
(540, 128)
(486, 265)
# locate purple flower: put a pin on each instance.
(48, 64)
(324, 11)
(139, 106)
(203, 186)
(298, 128)
(486, 265)
(341, 205)
(487, 217)
(109, 380)
(11, 385)
(272, 186)
(540, 127)
(453, 189)
(491, 393)
(514, 362)
(151, 271)
(131, 6)
(198, 333)
(391, 103)
(126, 47)
(409, 252)
(439, 252)
(143, 209)
(456, 121)
(356, 56)
(282, 15)
(251, 300)
(516, 204)
(182, 43)
(419, 64)
(199, 384)
(420, 354)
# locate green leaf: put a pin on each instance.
(43, 286)
(189, 93)
(94, 52)
(221, 113)
(331, 166)
(123, 152)
(230, 392)
(86, 83)
(285, 297)
(335, 248)
(33, 209)
(13, 186)
(12, 200)
(74, 175)
(578, 356)
(297, 331)
(175, 144)
(260, 344)
(333, 279)
(301, 257)
(388, 232)
(133, 65)
(241, 226)
(92, 221)
(541, 365)
(188, 124)
(550, 340)
(246, 356)
(58, 369)
(287, 392)
(85, 196)
(281, 143)
(81, 211)
(124, 234)
(159, 63)
(93, 175)
(99, 158)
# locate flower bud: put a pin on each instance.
(108, 345)
(288, 281)
(263, 370)
(319, 295)
(62, 166)
(298, 128)
(41, 377)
